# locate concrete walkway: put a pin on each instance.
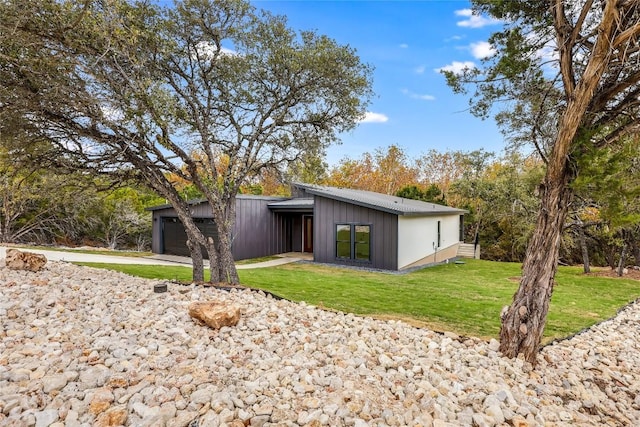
(156, 259)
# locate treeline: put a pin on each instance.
(501, 195)
(49, 206)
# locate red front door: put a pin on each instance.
(307, 234)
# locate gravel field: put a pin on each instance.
(89, 347)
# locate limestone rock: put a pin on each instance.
(115, 416)
(215, 314)
(19, 260)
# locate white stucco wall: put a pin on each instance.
(418, 235)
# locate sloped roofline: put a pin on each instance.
(200, 201)
(380, 202)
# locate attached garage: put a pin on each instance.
(174, 237)
(259, 231)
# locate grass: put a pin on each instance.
(462, 298)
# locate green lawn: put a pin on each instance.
(463, 298)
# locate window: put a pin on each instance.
(362, 242)
(343, 241)
(353, 241)
(439, 236)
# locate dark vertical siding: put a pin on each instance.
(384, 232)
(296, 233)
(258, 231)
(156, 233)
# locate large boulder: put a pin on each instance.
(19, 260)
(215, 314)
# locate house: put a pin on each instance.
(338, 225)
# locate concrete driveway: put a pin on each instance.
(150, 260)
(82, 257)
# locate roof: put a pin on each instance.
(297, 203)
(199, 201)
(380, 202)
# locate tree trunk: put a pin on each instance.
(623, 255)
(196, 258)
(635, 248)
(225, 221)
(523, 323)
(583, 246)
(212, 251)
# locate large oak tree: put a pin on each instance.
(570, 71)
(135, 87)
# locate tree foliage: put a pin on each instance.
(385, 171)
(570, 74)
(134, 89)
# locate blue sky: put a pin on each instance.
(406, 42)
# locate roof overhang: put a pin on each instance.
(302, 205)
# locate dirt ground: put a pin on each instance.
(608, 272)
(631, 273)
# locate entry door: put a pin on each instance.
(307, 234)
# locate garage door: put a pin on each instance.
(174, 237)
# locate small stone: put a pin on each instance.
(46, 418)
(201, 396)
(142, 352)
(226, 415)
(479, 420)
(95, 376)
(519, 421)
(505, 396)
(385, 361)
(182, 419)
(495, 412)
(101, 401)
(259, 420)
(565, 416)
(54, 382)
(311, 403)
(19, 374)
(263, 410)
(115, 416)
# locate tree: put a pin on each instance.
(442, 168)
(431, 194)
(470, 188)
(609, 182)
(587, 90)
(148, 85)
(384, 171)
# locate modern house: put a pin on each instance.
(337, 225)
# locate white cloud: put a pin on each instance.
(456, 67)
(370, 117)
(473, 20)
(404, 46)
(209, 50)
(482, 50)
(421, 69)
(422, 97)
(226, 51)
